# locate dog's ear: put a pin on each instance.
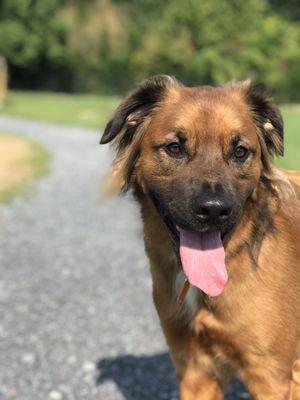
(135, 108)
(127, 127)
(267, 118)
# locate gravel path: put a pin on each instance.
(77, 320)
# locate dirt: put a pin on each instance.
(14, 166)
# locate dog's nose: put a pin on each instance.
(213, 210)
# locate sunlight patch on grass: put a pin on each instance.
(21, 160)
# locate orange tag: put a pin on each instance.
(184, 291)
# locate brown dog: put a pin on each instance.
(216, 211)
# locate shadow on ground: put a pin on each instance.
(149, 378)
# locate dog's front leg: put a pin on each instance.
(194, 368)
(198, 384)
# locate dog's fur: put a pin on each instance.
(252, 330)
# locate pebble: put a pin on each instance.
(88, 367)
(72, 359)
(55, 395)
(28, 358)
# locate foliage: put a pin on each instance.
(33, 38)
(102, 45)
(219, 41)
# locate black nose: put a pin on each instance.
(213, 210)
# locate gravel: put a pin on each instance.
(77, 320)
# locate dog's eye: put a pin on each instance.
(241, 153)
(174, 149)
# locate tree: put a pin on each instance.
(213, 42)
(107, 45)
(33, 39)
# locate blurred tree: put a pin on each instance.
(214, 42)
(33, 38)
(107, 45)
(288, 8)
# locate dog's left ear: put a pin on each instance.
(267, 118)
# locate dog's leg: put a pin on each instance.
(295, 384)
(194, 368)
(197, 384)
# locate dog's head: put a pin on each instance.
(198, 153)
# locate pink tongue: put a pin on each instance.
(203, 260)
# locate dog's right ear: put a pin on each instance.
(127, 127)
(267, 118)
(135, 108)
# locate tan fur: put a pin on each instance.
(252, 330)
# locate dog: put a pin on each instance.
(217, 216)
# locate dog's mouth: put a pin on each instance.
(202, 257)
(201, 252)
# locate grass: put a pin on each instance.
(83, 110)
(95, 110)
(291, 116)
(31, 165)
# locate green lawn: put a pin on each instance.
(95, 110)
(84, 109)
(291, 116)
